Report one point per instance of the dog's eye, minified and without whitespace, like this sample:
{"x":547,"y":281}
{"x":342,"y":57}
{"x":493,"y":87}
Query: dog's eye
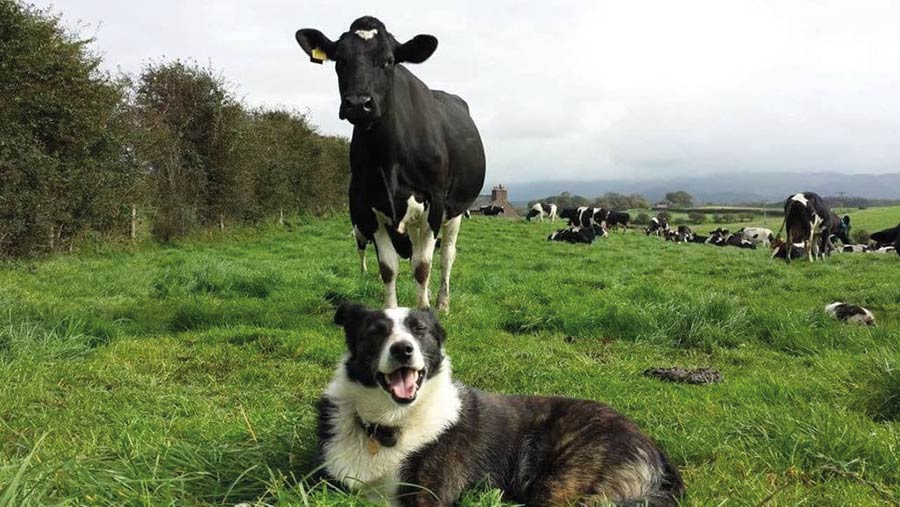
{"x":418,"y":327}
{"x":389,"y":62}
{"x":377,"y":329}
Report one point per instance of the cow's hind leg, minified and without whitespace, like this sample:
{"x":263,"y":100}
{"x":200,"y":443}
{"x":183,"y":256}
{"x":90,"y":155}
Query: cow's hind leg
{"x":423,"y":240}
{"x":449,"y":233}
{"x":388,"y":265}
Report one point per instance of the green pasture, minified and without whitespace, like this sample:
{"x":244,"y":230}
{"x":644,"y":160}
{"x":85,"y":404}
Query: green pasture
{"x":186,"y":375}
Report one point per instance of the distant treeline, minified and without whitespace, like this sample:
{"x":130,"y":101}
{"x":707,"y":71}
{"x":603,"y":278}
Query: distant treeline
{"x":609,"y":200}
{"x":83,"y":153}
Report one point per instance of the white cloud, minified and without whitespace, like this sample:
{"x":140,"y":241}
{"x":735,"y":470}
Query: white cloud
{"x":578,"y":89}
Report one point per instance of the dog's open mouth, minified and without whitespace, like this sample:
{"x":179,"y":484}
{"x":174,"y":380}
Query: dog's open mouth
{"x":402,"y":384}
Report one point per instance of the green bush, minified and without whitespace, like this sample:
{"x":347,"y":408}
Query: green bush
{"x":696,"y":218}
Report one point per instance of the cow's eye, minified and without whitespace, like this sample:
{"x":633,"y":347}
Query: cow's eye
{"x":388,"y":63}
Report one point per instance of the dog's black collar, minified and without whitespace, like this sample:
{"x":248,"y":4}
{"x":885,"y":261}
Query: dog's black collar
{"x":385,"y":435}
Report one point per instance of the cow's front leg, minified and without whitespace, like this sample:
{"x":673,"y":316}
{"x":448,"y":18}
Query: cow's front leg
{"x":423,"y":240}
{"x":361,"y":242}
{"x":449,"y":233}
{"x":812,"y":247}
{"x":388,"y":265}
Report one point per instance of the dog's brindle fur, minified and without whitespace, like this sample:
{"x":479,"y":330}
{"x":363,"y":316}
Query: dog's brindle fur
{"x":541,"y":451}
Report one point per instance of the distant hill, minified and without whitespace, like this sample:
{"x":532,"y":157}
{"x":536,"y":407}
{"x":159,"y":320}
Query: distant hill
{"x":726,"y":189}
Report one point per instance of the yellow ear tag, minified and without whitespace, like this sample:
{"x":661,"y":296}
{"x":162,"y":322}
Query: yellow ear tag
{"x":318,"y":56}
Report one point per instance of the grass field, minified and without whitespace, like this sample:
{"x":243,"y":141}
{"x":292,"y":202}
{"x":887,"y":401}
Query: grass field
{"x":187,"y":375}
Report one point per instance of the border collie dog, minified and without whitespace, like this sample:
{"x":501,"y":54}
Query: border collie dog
{"x":394,"y":426}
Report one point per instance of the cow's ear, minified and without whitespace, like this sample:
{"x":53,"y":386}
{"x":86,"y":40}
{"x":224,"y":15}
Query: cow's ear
{"x":416,"y":50}
{"x":315,"y":44}
{"x":348,"y":314}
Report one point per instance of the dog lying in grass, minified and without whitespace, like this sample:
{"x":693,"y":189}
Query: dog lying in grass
{"x":394,"y":426}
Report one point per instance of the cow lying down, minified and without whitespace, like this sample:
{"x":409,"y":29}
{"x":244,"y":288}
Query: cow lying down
{"x":721,"y":237}
{"x":574,"y":234}
{"x":780,"y":250}
{"x":850,"y":313}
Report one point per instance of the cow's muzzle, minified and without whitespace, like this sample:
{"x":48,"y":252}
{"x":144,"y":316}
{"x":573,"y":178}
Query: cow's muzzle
{"x":357,"y":108}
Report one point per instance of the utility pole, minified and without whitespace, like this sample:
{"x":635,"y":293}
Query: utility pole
{"x":841,"y":194}
{"x":765,"y":220}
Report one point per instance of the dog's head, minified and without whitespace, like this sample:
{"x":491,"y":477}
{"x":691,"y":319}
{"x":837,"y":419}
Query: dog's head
{"x":396,"y":350}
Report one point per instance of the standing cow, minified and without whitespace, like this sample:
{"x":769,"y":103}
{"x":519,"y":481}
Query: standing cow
{"x":618,"y":219}
{"x":491,"y":210}
{"x":416,"y":158}
{"x":807,"y":220}
{"x":541,"y":209}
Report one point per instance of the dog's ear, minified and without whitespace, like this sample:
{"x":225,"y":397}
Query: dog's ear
{"x":437,"y":329}
{"x":348,"y":313}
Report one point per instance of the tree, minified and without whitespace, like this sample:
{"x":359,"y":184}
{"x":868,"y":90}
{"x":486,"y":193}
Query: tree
{"x":64,"y":163}
{"x":192,"y":113}
{"x":680,"y":198}
{"x":696,"y":218}
{"x":616,"y":201}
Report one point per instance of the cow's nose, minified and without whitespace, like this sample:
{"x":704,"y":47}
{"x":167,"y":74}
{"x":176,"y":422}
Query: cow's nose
{"x":402,"y":351}
{"x":355,"y":105}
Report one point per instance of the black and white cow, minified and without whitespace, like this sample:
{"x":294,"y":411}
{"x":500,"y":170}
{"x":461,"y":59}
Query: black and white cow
{"x":840,"y":229}
{"x":758,"y":235}
{"x":540,"y":210}
{"x":416,"y":158}
{"x":886,"y":237}
{"x":617,"y":219}
{"x":586,"y":217}
{"x":808,"y":220}
{"x":854,"y":248}
{"x":491,"y":210}
{"x":721,"y":237}
{"x":781,"y":248}
{"x":737,"y":241}
{"x":574,"y":234}
{"x":658,"y":226}
{"x":684,"y":233}
{"x":854,"y":314}
{"x":697,"y":238}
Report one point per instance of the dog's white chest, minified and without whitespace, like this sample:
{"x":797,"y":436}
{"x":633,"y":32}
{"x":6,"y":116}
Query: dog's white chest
{"x":348,"y":458}
{"x":348,"y":454}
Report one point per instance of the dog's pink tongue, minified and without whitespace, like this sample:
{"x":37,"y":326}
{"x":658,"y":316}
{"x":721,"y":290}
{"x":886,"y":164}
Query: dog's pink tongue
{"x":403,"y":383}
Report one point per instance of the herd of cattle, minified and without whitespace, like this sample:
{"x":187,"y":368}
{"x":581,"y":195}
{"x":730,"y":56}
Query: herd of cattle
{"x":810,"y":227}
{"x":417,"y":163}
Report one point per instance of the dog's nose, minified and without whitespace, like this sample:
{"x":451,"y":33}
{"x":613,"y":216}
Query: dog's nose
{"x":402,"y":351}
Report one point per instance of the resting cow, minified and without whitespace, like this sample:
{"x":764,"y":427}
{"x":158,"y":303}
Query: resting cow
{"x":758,"y":235}
{"x":416,"y":158}
{"x":574,"y":234}
{"x":886,"y":237}
{"x":658,"y":226}
{"x":780,"y":250}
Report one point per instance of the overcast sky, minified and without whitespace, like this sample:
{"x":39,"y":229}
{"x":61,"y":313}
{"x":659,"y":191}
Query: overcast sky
{"x":575,"y":90}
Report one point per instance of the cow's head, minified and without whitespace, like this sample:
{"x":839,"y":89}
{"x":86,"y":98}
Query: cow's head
{"x":365,"y":57}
